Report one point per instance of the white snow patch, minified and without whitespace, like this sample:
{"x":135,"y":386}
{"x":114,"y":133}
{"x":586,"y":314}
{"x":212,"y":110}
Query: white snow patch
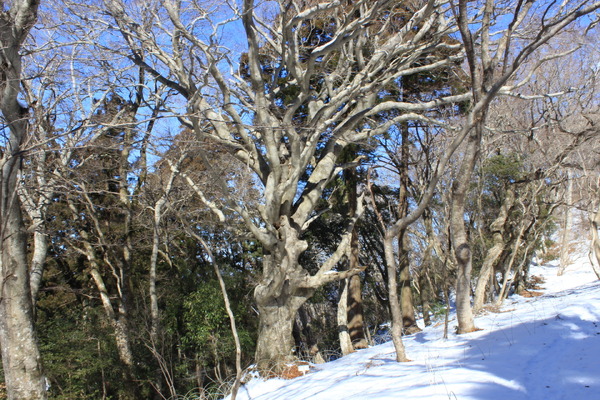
{"x":544,"y":347}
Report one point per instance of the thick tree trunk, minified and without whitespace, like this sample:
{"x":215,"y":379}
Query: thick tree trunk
{"x":497,"y":228}
{"x":20,"y":355}
{"x":275,"y":343}
{"x":460,"y":240}
{"x":278,"y":298}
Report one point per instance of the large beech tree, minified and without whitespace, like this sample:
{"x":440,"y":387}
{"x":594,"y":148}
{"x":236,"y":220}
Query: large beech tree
{"x":292,"y":143}
{"x":300,"y":95}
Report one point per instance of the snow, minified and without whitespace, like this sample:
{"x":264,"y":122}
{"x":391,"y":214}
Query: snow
{"x":545,"y":347}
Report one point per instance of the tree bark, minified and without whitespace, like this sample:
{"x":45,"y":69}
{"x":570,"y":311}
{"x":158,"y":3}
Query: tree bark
{"x":342,"y":320}
{"x":275,"y":341}
{"x":115,"y":319}
{"x":356,"y":327}
{"x":36,"y":206}
{"x":395,"y":310}
{"x":278,"y":297}
{"x":497,"y":228}
{"x":513,"y":256}
{"x":565,"y":257}
{"x":425,"y":293}
{"x":354,"y":319}
{"x":409,"y":323}
{"x":20,"y":354}
{"x":38,"y":260}
{"x":595,"y":243}
{"x":460,"y":240}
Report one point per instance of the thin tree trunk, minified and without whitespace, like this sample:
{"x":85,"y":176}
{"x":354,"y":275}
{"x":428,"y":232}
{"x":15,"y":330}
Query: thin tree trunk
{"x":395,"y":310}
{"x":304,"y":333}
{"x":425,"y":295}
{"x":356,"y":327}
{"x":497,"y":228}
{"x":342,"y":319}
{"x":38,"y":260}
{"x":36,"y":210}
{"x":595,"y":243}
{"x":154,"y":311}
{"x":116,"y":321}
{"x":152,"y":293}
{"x":425,"y":283}
{"x":565,"y":257}
{"x":355,"y":318}
{"x":409,"y":323}
{"x":158,"y":212}
{"x":234,"y":331}
{"x":513,"y":256}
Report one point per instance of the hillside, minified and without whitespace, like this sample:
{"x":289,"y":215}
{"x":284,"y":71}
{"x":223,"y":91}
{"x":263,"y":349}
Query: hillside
{"x":545,"y":347}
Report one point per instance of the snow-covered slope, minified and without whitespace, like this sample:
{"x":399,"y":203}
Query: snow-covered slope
{"x":545,"y":347}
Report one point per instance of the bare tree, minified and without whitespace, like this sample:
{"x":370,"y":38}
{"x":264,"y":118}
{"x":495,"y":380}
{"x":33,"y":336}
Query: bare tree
{"x":492,"y":63}
{"x":283,"y":139}
{"x":20,"y":354}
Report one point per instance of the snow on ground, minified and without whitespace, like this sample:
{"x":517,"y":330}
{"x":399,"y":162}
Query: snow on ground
{"x":545,"y":347}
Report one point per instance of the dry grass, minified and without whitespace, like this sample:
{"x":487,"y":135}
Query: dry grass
{"x":496,"y":309}
{"x":535,"y":282}
{"x":530,"y":293}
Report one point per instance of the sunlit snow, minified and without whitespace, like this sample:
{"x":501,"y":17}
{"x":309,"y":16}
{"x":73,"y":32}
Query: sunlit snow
{"x":545,"y":347}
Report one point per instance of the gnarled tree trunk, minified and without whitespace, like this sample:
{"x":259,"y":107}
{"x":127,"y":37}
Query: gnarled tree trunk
{"x":497,"y":228}
{"x":278,"y":297}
